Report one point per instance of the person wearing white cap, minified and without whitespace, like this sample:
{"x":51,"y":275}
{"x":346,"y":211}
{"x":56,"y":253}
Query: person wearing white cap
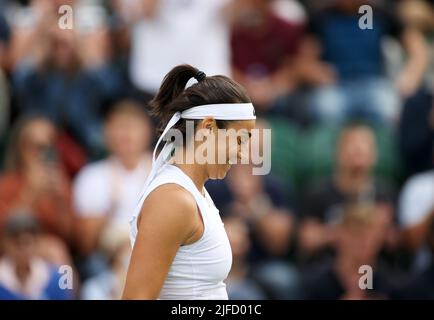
{"x":180,"y":246}
{"x":416,"y":209}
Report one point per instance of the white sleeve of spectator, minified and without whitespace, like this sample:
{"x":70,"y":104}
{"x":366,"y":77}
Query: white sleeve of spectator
{"x":416,"y":201}
{"x":91,"y":192}
{"x":218,"y":4}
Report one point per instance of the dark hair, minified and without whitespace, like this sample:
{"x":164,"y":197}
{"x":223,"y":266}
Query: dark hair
{"x":355,"y":123}
{"x":173,"y":96}
{"x":19,"y":221}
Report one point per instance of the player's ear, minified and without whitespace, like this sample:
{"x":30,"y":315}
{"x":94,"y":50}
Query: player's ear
{"x":208,"y":124}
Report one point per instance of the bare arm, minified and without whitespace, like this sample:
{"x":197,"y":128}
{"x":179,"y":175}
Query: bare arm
{"x":168,"y":219}
{"x":275,"y":229}
{"x":412,"y":74}
{"x":309,"y":67}
{"x":413,"y":237}
{"x":314,"y":236}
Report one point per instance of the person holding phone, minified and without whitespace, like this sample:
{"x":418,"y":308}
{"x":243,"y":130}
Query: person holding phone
{"x":35,"y":180}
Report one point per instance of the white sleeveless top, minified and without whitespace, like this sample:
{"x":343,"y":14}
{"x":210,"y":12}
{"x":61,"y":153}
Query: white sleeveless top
{"x":199,"y":269}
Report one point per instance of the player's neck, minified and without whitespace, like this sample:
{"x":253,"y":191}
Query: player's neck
{"x":196,"y":172}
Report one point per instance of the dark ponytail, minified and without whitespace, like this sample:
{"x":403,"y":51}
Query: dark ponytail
{"x":173,"y":96}
{"x":173,"y":85}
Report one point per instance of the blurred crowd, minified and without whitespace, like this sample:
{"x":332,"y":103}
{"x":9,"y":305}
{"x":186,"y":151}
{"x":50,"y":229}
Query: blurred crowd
{"x":351,"y":110}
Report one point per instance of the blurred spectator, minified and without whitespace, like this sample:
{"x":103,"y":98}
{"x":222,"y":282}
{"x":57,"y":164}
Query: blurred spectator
{"x":422,"y":285}
{"x":105,"y":192}
{"x":273,"y":225}
{"x":240,"y":283}
{"x":65,"y":74}
{"x":290,"y":10}
{"x":35,"y":178}
{"x":359,"y":237}
{"x":271,"y":230}
{"x":416,"y":130}
{"x":352,"y":182}
{"x":4,"y":105}
{"x":4,"y":90}
{"x":223,"y":195}
{"x":419,"y":14}
{"x":416,"y":133}
{"x":264,"y":51}
{"x":4,"y":40}
{"x":415,"y":213}
{"x":109,"y":284}
{"x":350,"y":73}
{"x":30,"y":23}
{"x":24,"y":274}
{"x":171,"y":32}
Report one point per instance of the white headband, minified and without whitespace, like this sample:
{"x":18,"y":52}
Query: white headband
{"x":227,"y":111}
{"x":223,"y":111}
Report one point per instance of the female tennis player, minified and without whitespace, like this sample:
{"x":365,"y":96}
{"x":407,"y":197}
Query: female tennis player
{"x":180,"y":247}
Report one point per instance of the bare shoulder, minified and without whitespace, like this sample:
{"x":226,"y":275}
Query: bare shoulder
{"x":166,"y":222}
{"x":169,"y":207}
{"x":171,"y":196}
